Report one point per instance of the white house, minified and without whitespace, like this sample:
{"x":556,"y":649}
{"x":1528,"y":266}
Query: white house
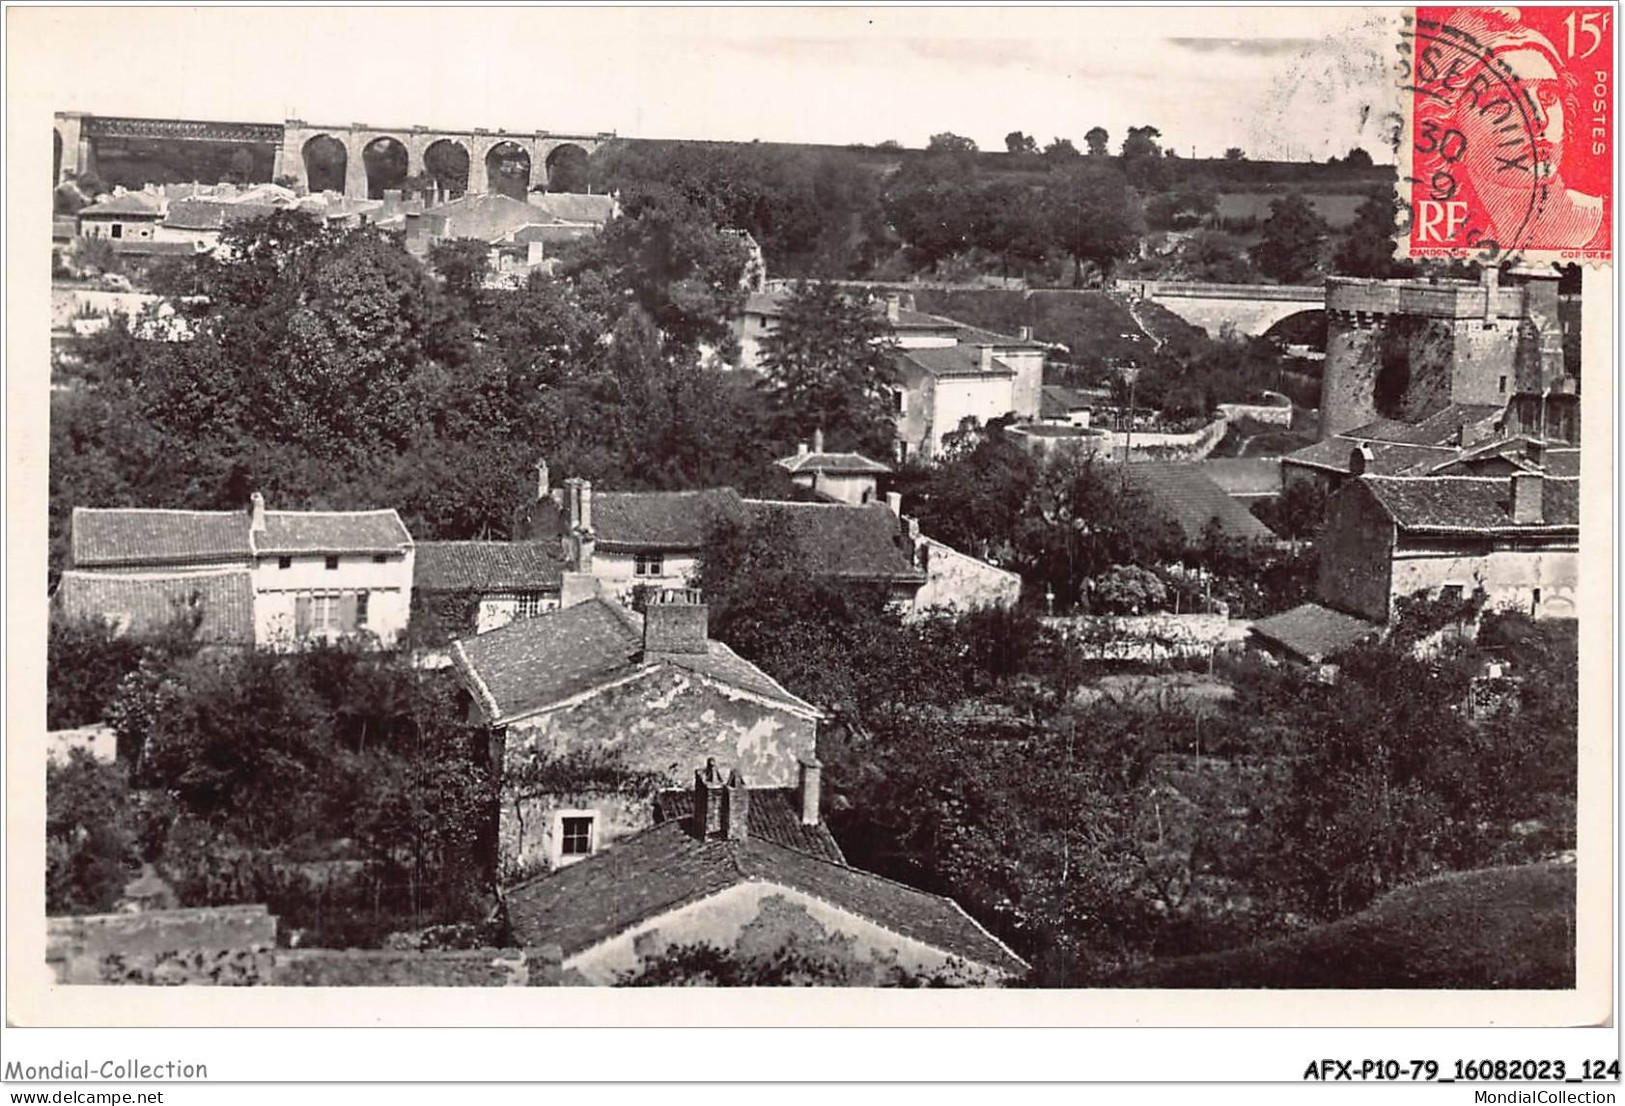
{"x":258,"y":577}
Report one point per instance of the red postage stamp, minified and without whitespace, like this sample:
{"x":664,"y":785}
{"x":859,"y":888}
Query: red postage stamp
{"x":1510,"y":146}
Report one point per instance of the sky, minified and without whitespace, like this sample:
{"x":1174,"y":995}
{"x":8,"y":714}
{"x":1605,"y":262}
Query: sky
{"x":1278,"y":82}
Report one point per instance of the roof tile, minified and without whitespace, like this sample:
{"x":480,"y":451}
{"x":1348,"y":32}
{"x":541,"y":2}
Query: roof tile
{"x":660,"y":869}
{"x":1191,"y":498}
{"x":487,"y":566}
{"x":150,"y":602}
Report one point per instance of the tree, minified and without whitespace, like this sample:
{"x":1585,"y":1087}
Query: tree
{"x":1358,"y":159}
{"x":1367,"y":248}
{"x":1094,"y":216}
{"x":1096,"y":141}
{"x":1061,"y":149}
{"x":462,"y":265}
{"x":681,"y":269}
{"x":934,"y":208}
{"x":90,"y":837}
{"x":1293,"y":235}
{"x":1235,"y":153}
{"x":828,"y":364}
{"x":1141,"y":143}
{"x":1018,"y":143}
{"x":950,"y":143}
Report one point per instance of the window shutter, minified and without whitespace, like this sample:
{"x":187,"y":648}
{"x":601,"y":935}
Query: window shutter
{"x":347,"y":612}
{"x":301,"y":616}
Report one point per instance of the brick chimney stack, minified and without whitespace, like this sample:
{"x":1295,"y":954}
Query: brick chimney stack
{"x":735,"y":808}
{"x":812,"y":786}
{"x":818,"y":440}
{"x":675,"y":622}
{"x":256,"y":523}
{"x":1528,"y":499}
{"x":987,"y":359}
{"x":894,"y":308}
{"x":708,"y":792}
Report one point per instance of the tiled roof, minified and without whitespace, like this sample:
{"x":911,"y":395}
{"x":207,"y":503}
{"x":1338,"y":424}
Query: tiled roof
{"x":333,"y":532}
{"x":150,"y":602}
{"x":627,"y":522}
{"x":1556,"y":460}
{"x":552,"y":233}
{"x":111,"y":536}
{"x":843,"y":463}
{"x":1058,"y":400}
{"x":534,"y":663}
{"x":775,"y":815}
{"x":1386,"y":458}
{"x":130,"y":203}
{"x":958,"y":360}
{"x":1475,"y":504}
{"x":1439,"y":428}
{"x":131,"y":536}
{"x":1314,"y":632}
{"x":975,"y":335}
{"x":771,"y":304}
{"x":211,"y":214}
{"x":152,"y":247}
{"x":1188,"y":496}
{"x":654,"y":872}
{"x":1244,"y":476}
{"x":575,"y":207}
{"x":837,"y":539}
{"x":64,"y":226}
{"x":487,"y":566}
{"x":491,"y":217}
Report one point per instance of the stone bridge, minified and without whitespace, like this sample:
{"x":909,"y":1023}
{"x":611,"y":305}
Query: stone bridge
{"x":294,"y":142}
{"x":1252,"y":308}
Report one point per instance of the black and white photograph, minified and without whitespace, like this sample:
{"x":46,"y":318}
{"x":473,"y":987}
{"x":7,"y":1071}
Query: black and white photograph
{"x":876,"y":499}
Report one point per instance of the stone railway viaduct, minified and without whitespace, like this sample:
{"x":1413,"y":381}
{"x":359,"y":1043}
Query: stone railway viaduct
{"x":1253,"y":309}
{"x":294,"y":142}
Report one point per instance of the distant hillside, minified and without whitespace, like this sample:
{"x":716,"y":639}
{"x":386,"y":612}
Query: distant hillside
{"x":1501,"y":928}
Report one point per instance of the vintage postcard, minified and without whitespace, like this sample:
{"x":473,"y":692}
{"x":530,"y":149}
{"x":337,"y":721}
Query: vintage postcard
{"x":1097,"y":513}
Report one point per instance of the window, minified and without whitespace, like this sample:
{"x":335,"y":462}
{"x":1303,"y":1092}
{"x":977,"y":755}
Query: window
{"x":1534,"y":604}
{"x":324,"y":612}
{"x":649,"y":564}
{"x":332,"y":563}
{"x":530,"y":605}
{"x":284,"y":562}
{"x":1503,"y":385}
{"x":380,"y":558}
{"x":360,"y":608}
{"x":575,"y":836}
{"x":1451,"y":593}
{"x":118,"y":230}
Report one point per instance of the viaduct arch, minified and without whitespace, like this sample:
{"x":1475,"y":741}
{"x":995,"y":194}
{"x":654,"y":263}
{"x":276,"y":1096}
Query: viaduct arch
{"x":477,"y":145}
{"x":76,"y":133}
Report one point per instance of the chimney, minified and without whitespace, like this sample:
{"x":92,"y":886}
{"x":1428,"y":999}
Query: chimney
{"x":1528,"y":507}
{"x":541,"y":480}
{"x":707,"y":818}
{"x":576,"y":588}
{"x":675,"y":622}
{"x":987,"y":359}
{"x":894,"y":501}
{"x":256,"y":512}
{"x":812,"y":786}
{"x":735,"y":808}
{"x":1025,"y":333}
{"x":1359,"y":458}
{"x":894,"y":308}
{"x":1535,"y":452}
{"x":818,"y":440}
{"x":801,"y":449}
{"x":586,"y":505}
{"x":1490,"y":278}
